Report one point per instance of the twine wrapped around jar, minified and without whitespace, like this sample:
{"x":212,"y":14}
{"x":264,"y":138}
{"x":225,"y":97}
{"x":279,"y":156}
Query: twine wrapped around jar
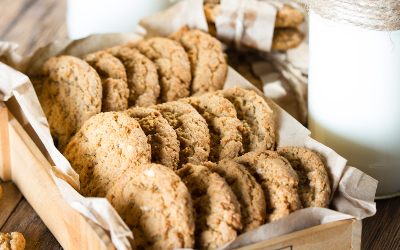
{"x":354,"y":84}
{"x":369,"y":14}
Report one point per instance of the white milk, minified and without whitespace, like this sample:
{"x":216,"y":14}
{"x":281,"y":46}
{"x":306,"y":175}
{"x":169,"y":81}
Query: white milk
{"x":354,"y":97}
{"x":104,"y":16}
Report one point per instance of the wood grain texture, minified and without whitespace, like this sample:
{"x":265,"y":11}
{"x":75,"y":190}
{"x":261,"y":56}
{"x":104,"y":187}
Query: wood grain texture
{"x":34,"y":23}
{"x":8,"y":202}
{"x":25,"y":220}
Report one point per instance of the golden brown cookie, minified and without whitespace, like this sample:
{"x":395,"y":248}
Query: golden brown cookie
{"x":12,"y":241}
{"x":70,"y":94}
{"x":246,"y":189}
{"x":314,"y":186}
{"x":286,"y":38}
{"x":220,"y":115}
{"x":104,"y":148}
{"x":278,"y":180}
{"x":207,"y":59}
{"x":191,"y":129}
{"x":113,"y":78}
{"x":287,"y":16}
{"x":156,"y":206}
{"x":144,"y":88}
{"x":161,"y":136}
{"x":257,"y":118}
{"x":172,"y":63}
{"x":217,"y":209}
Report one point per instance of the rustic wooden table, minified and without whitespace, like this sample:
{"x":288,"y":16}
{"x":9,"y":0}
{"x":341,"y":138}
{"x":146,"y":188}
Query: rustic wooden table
{"x":33,"y":23}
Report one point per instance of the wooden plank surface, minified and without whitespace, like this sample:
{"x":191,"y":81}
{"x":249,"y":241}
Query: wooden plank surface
{"x":32,"y":24}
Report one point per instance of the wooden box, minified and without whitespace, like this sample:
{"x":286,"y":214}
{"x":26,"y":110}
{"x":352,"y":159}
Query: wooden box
{"x":22,"y":162}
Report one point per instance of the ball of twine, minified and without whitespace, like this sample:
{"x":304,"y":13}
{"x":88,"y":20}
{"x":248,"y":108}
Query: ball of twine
{"x":370,"y":14}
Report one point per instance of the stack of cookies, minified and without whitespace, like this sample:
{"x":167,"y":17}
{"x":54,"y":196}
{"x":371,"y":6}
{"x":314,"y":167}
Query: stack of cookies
{"x":287,"y":34}
{"x":143,"y":73}
{"x":196,"y":172}
{"x":184,"y":163}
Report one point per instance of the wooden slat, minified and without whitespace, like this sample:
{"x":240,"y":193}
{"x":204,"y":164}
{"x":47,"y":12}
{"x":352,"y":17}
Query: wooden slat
{"x":25,"y":220}
{"x":10,"y":199}
{"x":5,"y":164}
{"x":31,"y":175}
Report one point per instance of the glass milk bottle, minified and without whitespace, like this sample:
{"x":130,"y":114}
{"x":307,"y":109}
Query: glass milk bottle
{"x":354,"y":96}
{"x":107,"y":16}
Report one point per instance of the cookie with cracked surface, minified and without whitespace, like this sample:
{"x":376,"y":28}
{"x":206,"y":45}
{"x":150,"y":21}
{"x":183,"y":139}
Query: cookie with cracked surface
{"x":161,"y":136}
{"x":246,"y":189}
{"x":257,"y":118}
{"x":191,"y":129}
{"x":156,"y":205}
{"x":113,"y":78}
{"x":224,"y":126}
{"x":12,"y":241}
{"x":70,"y":94}
{"x":207,"y":59}
{"x":217,"y":209}
{"x":278,"y":180}
{"x":314,"y":186}
{"x":143,"y":84}
{"x":172,"y":63}
{"x":104,"y":148}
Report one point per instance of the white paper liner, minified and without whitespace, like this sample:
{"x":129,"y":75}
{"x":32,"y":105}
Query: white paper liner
{"x":353,"y":191}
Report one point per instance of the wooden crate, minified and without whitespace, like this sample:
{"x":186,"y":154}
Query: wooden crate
{"x":23,"y":163}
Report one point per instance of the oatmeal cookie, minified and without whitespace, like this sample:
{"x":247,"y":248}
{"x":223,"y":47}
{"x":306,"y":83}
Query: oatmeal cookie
{"x":224,"y":126}
{"x":278,"y":180}
{"x":161,"y":136}
{"x":104,"y":148}
{"x":207,"y":59}
{"x":70,"y":94}
{"x":286,"y":38}
{"x":172,"y":63}
{"x":288,"y":16}
{"x":156,"y":205}
{"x":217,"y":209}
{"x":257,"y":118}
{"x":12,"y":241}
{"x":144,"y":88}
{"x":113,"y":78}
{"x":191,"y":129}
{"x":314,"y":187}
{"x":246,"y":189}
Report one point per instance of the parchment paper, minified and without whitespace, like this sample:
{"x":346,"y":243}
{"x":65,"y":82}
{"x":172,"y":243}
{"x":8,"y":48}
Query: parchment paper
{"x":353,"y":191}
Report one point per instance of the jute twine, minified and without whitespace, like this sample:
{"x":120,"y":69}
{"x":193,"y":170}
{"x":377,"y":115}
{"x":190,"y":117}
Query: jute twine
{"x":370,"y":14}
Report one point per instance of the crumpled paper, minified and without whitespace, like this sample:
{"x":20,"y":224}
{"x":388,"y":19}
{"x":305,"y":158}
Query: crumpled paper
{"x":353,"y":191}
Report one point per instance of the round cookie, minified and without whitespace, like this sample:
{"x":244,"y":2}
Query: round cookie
{"x":12,"y":241}
{"x":113,"y":78}
{"x":69,"y":95}
{"x":220,"y":115}
{"x":314,"y":187}
{"x":207,"y":59}
{"x":172,"y":63}
{"x":144,"y":88}
{"x":278,"y":180}
{"x":161,"y":136}
{"x":286,"y":38}
{"x":217,"y":209}
{"x":246,"y":189}
{"x":191,"y":129}
{"x":156,"y":206}
{"x":257,"y":117}
{"x":104,"y":148}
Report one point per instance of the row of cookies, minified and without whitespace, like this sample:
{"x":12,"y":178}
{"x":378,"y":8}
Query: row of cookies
{"x":202,"y":204}
{"x":140,"y":73}
{"x":286,"y":35}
